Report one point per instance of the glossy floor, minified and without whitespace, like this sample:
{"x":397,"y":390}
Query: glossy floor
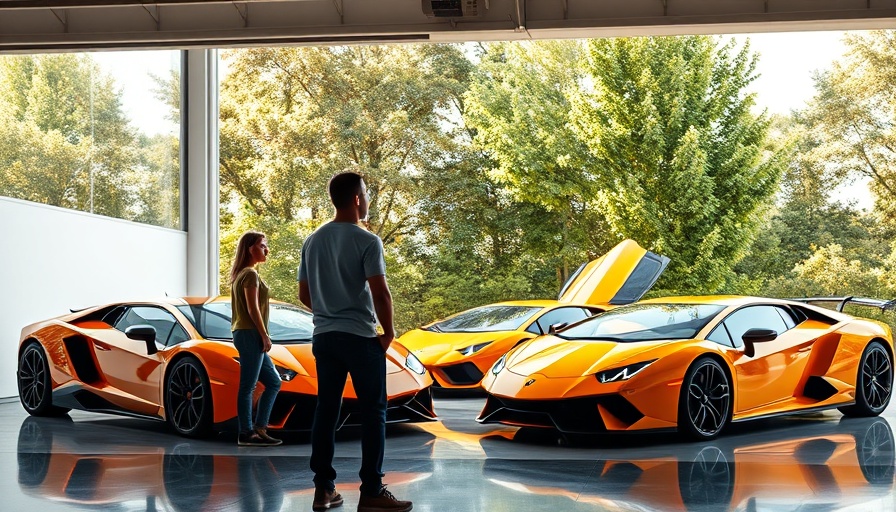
{"x":98,"y":462}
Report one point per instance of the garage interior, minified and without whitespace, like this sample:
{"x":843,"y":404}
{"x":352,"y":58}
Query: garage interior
{"x":819,"y":461}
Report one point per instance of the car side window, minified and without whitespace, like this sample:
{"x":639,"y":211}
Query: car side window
{"x":742,"y":320}
{"x":787,"y":316}
{"x":720,"y":336}
{"x":534,"y":328}
{"x":168,"y":331}
{"x":560,"y":315}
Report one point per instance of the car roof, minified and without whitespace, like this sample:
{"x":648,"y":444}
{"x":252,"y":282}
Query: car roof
{"x":535,"y":303}
{"x":721,"y":300}
{"x":196,"y":300}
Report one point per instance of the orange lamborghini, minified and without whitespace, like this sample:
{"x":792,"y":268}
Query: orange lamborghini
{"x":458,"y":350}
{"x":693,"y":364}
{"x":174,"y":360}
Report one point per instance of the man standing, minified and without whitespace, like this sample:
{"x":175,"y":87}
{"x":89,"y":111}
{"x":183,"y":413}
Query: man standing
{"x":342,"y":279}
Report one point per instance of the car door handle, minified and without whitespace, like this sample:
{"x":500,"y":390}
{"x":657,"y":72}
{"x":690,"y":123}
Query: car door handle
{"x":99,"y":346}
{"x":805,"y":349}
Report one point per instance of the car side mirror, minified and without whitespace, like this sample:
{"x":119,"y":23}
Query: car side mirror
{"x":757,"y":335}
{"x":144,"y":333}
{"x":556,"y":327}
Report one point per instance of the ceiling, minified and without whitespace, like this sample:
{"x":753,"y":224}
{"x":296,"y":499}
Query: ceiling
{"x":59,"y":25}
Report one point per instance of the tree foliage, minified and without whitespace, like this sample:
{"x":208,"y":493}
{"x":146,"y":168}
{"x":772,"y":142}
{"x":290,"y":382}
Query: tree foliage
{"x":683,"y":163}
{"x":293,"y":117}
{"x":519,"y":110}
{"x":66,"y":141}
{"x":855,"y":112}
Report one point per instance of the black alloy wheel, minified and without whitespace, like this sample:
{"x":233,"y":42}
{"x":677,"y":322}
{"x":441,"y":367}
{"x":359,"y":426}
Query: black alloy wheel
{"x":705,"y":403}
{"x":35,"y":388}
{"x":188,"y":398}
{"x":874,"y":382}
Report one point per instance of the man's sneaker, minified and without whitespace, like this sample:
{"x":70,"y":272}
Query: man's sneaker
{"x":263,"y":433}
{"x":385,"y":502}
{"x":253,"y":439}
{"x":324,"y":499}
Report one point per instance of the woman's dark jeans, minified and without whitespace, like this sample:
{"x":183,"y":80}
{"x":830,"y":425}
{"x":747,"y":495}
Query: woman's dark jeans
{"x":338,"y":355}
{"x":255,"y":366}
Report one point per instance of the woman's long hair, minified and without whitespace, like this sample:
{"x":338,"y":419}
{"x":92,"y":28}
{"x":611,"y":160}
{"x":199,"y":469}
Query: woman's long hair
{"x":242,"y":258}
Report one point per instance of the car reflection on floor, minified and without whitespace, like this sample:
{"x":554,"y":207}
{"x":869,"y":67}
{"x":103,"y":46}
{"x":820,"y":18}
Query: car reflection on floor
{"x":458,"y":465}
{"x":173,"y":477}
{"x":825,"y":469}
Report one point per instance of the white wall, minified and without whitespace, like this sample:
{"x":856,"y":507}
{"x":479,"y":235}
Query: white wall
{"x":53,"y":259}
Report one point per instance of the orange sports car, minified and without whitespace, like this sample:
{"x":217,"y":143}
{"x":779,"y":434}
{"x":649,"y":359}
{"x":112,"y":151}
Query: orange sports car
{"x":174,"y":360}
{"x":693,"y":364}
{"x":458,"y":350}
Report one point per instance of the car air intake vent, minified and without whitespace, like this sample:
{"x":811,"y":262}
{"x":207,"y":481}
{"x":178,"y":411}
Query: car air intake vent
{"x":817,"y":388}
{"x":82,"y":360}
{"x":463,"y":374}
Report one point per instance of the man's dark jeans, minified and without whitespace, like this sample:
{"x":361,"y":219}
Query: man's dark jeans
{"x":337,"y":355}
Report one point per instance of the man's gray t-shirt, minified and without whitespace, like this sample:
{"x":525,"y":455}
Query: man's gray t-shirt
{"x":336,"y":261}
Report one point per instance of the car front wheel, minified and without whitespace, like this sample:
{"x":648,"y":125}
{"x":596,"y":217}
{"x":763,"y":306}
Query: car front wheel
{"x":188,"y":398}
{"x":704,"y":405}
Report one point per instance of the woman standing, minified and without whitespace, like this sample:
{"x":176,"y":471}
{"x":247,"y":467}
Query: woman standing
{"x":249,"y":299}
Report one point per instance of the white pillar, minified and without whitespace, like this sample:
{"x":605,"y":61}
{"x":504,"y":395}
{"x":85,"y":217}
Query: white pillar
{"x":201,"y":176}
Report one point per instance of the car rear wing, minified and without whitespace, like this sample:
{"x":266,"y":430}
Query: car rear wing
{"x":883,"y":305}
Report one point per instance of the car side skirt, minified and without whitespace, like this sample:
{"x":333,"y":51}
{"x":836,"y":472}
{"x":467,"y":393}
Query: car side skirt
{"x":82,"y":399}
{"x":792,"y":412}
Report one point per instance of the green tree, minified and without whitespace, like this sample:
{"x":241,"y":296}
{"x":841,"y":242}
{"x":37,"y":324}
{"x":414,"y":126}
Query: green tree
{"x":518,"y":110}
{"x":685,"y":168}
{"x":855,"y":112}
{"x":807,"y":216}
{"x":292,"y":117}
{"x":67,"y":142}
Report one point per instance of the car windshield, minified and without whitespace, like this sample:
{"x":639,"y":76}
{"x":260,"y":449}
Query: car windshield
{"x":486,"y":319}
{"x":286,"y":324}
{"x":644,"y":322}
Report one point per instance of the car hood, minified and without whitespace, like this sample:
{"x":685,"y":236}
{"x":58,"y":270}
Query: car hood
{"x":557,"y":358}
{"x":430,"y":346}
{"x":621,"y":276}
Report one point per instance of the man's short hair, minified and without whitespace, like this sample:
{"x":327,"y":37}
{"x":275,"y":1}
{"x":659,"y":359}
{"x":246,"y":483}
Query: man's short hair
{"x":343,"y":188}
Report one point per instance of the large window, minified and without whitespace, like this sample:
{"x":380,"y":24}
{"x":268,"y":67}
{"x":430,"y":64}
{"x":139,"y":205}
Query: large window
{"x":96,"y":132}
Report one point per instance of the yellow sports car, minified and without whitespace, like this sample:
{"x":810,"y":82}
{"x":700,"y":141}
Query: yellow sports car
{"x":693,"y":364}
{"x":458,"y":350}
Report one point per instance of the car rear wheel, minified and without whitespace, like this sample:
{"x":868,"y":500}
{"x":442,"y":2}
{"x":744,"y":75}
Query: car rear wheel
{"x":704,"y":405}
{"x":35,"y":387}
{"x":874,"y":383}
{"x":188,"y":398}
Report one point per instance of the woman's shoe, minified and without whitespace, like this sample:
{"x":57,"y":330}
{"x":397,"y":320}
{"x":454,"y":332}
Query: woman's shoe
{"x":253,"y":439}
{"x":263,"y":433}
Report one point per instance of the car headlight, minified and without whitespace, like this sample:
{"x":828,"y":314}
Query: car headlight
{"x":285,"y":373}
{"x":472,"y":349}
{"x":414,"y":364}
{"x":499,"y":365}
{"x":623,"y":373}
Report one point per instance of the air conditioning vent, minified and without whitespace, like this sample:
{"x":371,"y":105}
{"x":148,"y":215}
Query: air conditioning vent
{"x":451,"y":8}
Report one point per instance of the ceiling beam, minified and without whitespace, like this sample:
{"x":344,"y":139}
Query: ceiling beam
{"x":62,"y":25}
